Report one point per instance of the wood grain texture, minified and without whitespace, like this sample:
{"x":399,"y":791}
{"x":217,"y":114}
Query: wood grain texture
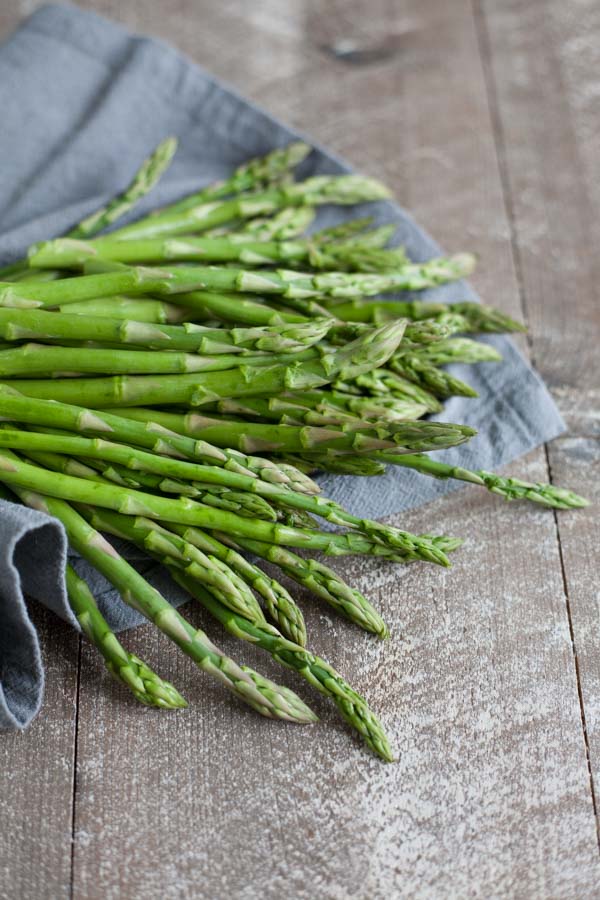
{"x":576,"y":461}
{"x":36,"y":778}
{"x":491,"y":796}
{"x":478,"y":690}
{"x":549,"y":163}
{"x":543,"y":61}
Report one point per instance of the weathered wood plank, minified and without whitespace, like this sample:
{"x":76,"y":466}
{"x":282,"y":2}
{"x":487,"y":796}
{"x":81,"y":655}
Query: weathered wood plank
{"x":576,"y":461}
{"x":543,"y":80}
{"x":36,"y":779}
{"x":544,"y":73}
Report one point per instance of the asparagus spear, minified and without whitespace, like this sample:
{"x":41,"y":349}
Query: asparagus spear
{"x":173,"y":280}
{"x":320,"y":580}
{"x":315,"y":670}
{"x":381,"y":383}
{"x":157,"y":312}
{"x":235,"y":309}
{"x":67,"y":253}
{"x":31,"y":359}
{"x":457,"y":350}
{"x":73,"y":353}
{"x":221,"y":581}
{"x":280,"y":607}
{"x":376,"y":538}
{"x":338,"y":189}
{"x":367,"y":352}
{"x":478,"y":318}
{"x":145,"y":179}
{"x":320,"y":407}
{"x":51,"y":414}
{"x":179,"y":546}
{"x":145,"y":685}
{"x":186,"y":511}
{"x":509,"y":488}
{"x":249,"y":176}
{"x":264,"y":696}
{"x":241,"y":502}
{"x":253,"y":437}
{"x":414,"y":367}
{"x":143,"y":182}
{"x":353,"y":233}
{"x":218,"y":578}
{"x":364,"y":466}
{"x":289,"y":223}
{"x":29,"y":324}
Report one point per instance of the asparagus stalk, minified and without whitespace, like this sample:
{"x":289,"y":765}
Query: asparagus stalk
{"x":221,"y":581}
{"x":249,"y":176}
{"x":315,"y":670}
{"x":422,"y":372}
{"x":67,"y":253}
{"x":353,"y":233}
{"x":235,"y":309}
{"x":22,"y":324}
{"x":253,"y":437}
{"x":252,"y":506}
{"x":186,"y":511}
{"x":320,"y":580}
{"x":51,"y":414}
{"x":364,"y":466}
{"x":383,"y":384}
{"x":215,"y":574}
{"x":478,"y":318}
{"x":144,"y":180}
{"x":337,"y":189}
{"x":241,"y":502}
{"x":295,"y":518}
{"x":320,"y":407}
{"x":121,"y":307}
{"x":264,"y":696}
{"x":256,"y":173}
{"x":173,"y":280}
{"x":145,"y":685}
{"x":375,"y":539}
{"x":289,"y":223}
{"x":173,"y":548}
{"x":31,"y":359}
{"x":456,"y":350}
{"x":510,"y":488}
{"x":370,"y":350}
{"x":280,"y":607}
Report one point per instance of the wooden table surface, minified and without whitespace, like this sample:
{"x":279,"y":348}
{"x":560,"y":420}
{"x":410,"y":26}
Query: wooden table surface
{"x":484,"y":118}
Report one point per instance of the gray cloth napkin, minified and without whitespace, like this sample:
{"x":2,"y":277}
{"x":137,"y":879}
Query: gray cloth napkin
{"x":83,"y":102}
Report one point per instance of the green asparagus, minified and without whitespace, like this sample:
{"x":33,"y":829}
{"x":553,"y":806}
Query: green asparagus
{"x":186,"y":511}
{"x":315,"y":670}
{"x":264,"y":696}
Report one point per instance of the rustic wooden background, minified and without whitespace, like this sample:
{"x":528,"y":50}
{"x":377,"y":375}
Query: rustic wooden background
{"x":484,"y":118}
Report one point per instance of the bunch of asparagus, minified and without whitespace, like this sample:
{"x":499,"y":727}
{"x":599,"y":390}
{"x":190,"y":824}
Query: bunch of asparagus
{"x":176,"y":382}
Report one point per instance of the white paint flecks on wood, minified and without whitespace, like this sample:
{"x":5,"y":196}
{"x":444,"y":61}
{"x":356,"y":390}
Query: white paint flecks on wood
{"x":543,"y":64}
{"x":36,"y":778}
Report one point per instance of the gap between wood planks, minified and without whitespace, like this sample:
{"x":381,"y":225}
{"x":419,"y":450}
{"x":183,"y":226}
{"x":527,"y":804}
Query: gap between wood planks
{"x":485,"y":54}
{"x":74,"y":782}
